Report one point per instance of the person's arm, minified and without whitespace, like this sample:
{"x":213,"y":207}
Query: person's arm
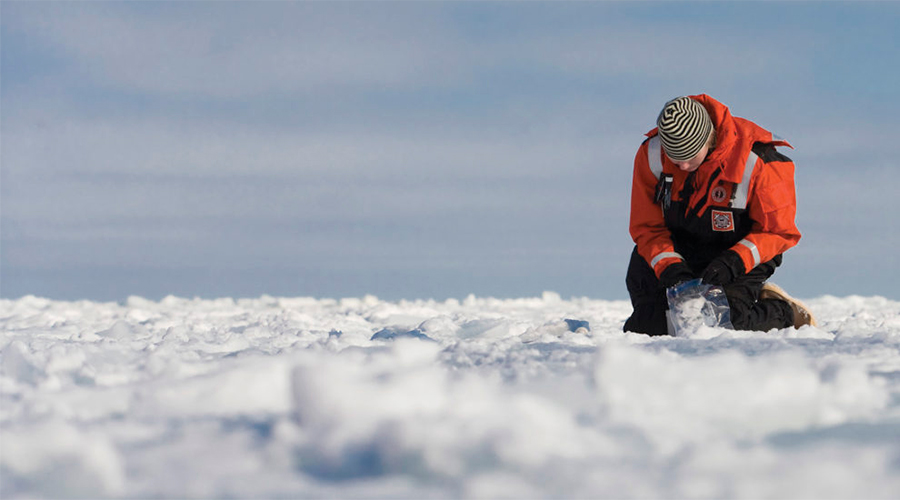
{"x":647,"y":225}
{"x":772,"y":205}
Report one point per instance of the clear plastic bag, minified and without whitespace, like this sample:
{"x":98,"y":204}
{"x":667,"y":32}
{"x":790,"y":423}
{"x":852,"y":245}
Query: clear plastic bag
{"x":694,"y":304}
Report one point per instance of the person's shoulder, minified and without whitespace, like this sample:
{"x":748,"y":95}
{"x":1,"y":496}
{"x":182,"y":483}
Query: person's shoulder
{"x":649,"y":135}
{"x":763,"y":142}
{"x":767,"y":152}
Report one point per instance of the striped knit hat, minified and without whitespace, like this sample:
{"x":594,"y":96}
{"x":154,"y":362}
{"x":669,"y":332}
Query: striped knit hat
{"x":684,"y":126}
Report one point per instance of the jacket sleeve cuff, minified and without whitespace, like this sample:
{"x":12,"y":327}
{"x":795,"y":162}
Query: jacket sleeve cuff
{"x":748,"y":253}
{"x":662,"y":260}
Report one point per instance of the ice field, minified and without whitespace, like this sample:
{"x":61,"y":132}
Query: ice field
{"x":475,"y":398}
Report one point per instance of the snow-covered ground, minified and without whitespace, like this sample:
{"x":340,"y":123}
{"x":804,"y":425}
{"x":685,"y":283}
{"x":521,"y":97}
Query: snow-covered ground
{"x":358,"y":398}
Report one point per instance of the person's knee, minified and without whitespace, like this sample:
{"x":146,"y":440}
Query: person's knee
{"x":762,"y":315}
{"x":741,"y":319}
{"x":649,"y":319}
{"x":740,"y":304}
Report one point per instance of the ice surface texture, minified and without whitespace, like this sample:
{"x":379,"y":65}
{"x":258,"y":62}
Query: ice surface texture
{"x":362,"y":398}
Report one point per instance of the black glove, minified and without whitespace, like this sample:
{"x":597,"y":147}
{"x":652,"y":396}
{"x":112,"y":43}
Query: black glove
{"x":724,"y":269}
{"x":676,"y":273}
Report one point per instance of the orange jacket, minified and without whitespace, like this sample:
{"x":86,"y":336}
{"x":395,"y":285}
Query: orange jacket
{"x":741,"y":198}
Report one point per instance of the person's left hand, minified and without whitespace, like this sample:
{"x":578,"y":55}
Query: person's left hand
{"x":724,"y":269}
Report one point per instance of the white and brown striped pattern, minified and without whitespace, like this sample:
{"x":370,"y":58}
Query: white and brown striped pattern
{"x":684,"y":127}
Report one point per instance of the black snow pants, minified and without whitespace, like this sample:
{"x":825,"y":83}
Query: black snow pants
{"x":648,"y":298}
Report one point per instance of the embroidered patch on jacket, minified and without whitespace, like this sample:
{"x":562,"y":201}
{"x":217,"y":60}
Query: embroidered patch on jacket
{"x":719,"y":194}
{"x":722,"y":221}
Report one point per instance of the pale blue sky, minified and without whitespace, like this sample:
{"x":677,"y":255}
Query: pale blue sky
{"x":415,"y":150}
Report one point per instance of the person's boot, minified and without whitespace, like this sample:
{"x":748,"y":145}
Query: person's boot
{"x":802,"y":314}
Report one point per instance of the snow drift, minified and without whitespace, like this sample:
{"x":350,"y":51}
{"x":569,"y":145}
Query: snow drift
{"x":535,"y":397}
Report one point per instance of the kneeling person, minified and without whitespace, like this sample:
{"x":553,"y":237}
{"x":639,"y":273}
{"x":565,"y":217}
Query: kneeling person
{"x":712,"y":198}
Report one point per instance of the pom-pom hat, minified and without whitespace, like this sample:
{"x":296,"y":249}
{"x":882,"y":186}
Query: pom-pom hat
{"x":684,"y":127}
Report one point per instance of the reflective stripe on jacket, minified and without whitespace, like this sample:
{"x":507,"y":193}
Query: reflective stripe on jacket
{"x":741,"y":198}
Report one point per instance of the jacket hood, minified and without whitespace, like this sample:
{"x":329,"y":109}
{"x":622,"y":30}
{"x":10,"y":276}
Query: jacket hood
{"x":734,"y":137}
